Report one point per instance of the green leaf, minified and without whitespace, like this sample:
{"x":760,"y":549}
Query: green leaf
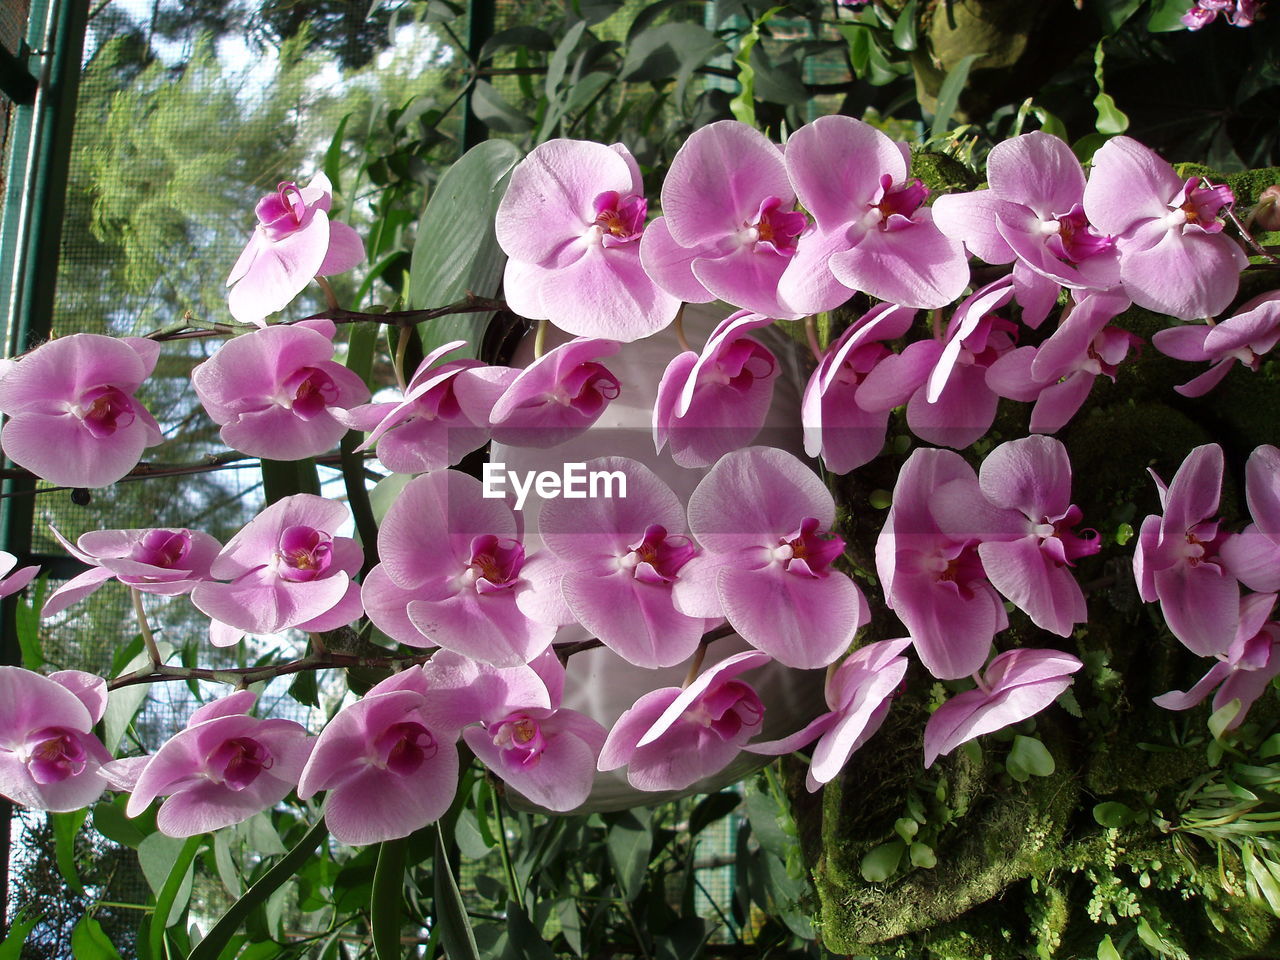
{"x":385,"y":906}
{"x":228,"y":872}
{"x":922,"y":855}
{"x":471,"y":841}
{"x":1107,"y":950}
{"x":26,"y":616}
{"x":19,"y":928}
{"x":743,"y":106}
{"x":629,"y":842}
{"x":304,"y":688}
{"x":285,"y":478}
{"x":1222,"y":717}
{"x":1049,"y":123}
{"x":949,"y":94}
{"x":1112,"y":813}
{"x":333,"y":155}
{"x":518,"y":38}
{"x":211,"y":947}
{"x":710,"y":809}
{"x":109,"y":820}
{"x":669,"y":50}
{"x":904,"y":29}
{"x":1111,"y":119}
{"x":89,"y":942}
{"x":882,"y":863}
{"x":456,"y":252}
{"x":524,"y":942}
{"x":906,"y":828}
{"x":123,"y":704}
{"x":1154,"y":941}
{"x":1166,"y":15}
{"x":570,"y":923}
{"x":494,"y":112}
{"x":1112,"y":14}
{"x":66,"y":826}
{"x":559,"y":62}
{"x":450,"y":912}
{"x":175,"y":893}
{"x":1032,"y":755}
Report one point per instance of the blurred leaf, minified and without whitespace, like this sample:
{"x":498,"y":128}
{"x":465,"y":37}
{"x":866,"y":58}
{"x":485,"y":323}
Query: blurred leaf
{"x":284,"y":478}
{"x":123,"y":704}
{"x":1112,"y":14}
{"x":629,"y":841}
{"x":385,"y":906}
{"x":922,"y":855}
{"x":906,"y":828}
{"x":559,"y":61}
{"x":1222,"y":717}
{"x":304,"y":689}
{"x":669,"y":50}
{"x":524,"y":942}
{"x":261,"y":836}
{"x":467,"y":833}
{"x":762,"y":810}
{"x":904,"y":29}
{"x":777,"y":83}
{"x":648,"y":15}
{"x":1112,"y":813}
{"x":175,"y":893}
{"x":1107,"y":950}
{"x":522,"y":37}
{"x":490,"y":106}
{"x":570,"y":923}
{"x":89,"y":942}
{"x":333,"y":155}
{"x":109,"y":820}
{"x":712,"y":808}
{"x":211,"y":947}
{"x":684,"y":939}
{"x":1167,"y":15}
{"x":949,"y":94}
{"x":440,"y":11}
{"x":882,"y":863}
{"x":19,"y":928}
{"x":450,"y":912}
{"x":26,"y":615}
{"x":456,"y":252}
{"x":743,"y":106}
{"x":1111,"y":119}
{"x":228,"y":873}
{"x":1033,"y":756}
{"x":66,"y":826}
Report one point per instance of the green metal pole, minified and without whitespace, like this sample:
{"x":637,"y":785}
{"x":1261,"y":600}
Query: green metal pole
{"x":481,"y":18}
{"x":30,"y":242}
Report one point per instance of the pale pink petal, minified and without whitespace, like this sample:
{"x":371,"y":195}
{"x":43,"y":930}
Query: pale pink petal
{"x":636,"y":620}
{"x":1128,"y":183}
{"x":1032,"y":581}
{"x":971,"y":219}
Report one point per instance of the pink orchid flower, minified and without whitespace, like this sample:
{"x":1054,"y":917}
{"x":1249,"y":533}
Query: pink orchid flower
{"x":293,"y":242}
{"x":11,"y":583}
{"x":286,"y":569}
{"x":571,"y":224}
{"x":274,"y":391}
{"x":516,"y":727}
{"x":612,"y":564}
{"x":1244,"y":337}
{"x":557,"y":397}
{"x":452,"y":573}
{"x":221,"y":769}
{"x":1033,"y":214}
{"x":152,"y":559}
{"x":858,"y":694}
{"x":1253,"y":554}
{"x":1059,"y":374}
{"x":49,"y":757}
{"x":1177,"y":558}
{"x":836,"y":426}
{"x":1174,"y":257}
{"x":942,"y":380}
{"x":729,"y":228}
{"x":443,"y":416}
{"x":1016,"y":684}
{"x":74,"y":420}
{"x":388,"y":771}
{"x":872,"y":231}
{"x":716,"y":401}
{"x":932,"y":579}
{"x":1245,"y":671}
{"x":1019,"y":509}
{"x":764,"y":520}
{"x":672,"y":738}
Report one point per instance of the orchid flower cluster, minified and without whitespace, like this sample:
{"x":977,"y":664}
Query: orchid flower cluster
{"x":779,"y":233}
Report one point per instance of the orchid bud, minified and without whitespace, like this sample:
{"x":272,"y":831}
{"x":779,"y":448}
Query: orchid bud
{"x":1266,"y":215}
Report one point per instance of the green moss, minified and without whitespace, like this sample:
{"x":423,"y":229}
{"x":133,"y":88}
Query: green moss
{"x":941,"y":173}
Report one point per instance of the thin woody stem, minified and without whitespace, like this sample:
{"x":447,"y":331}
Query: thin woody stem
{"x":540,"y":339}
{"x":330,"y":298}
{"x":145,"y":628}
{"x":678,"y":326}
{"x":811,"y":334}
{"x":402,"y":345}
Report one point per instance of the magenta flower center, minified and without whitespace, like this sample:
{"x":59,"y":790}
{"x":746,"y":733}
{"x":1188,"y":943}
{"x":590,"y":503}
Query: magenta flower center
{"x":739,"y":365}
{"x":657,"y":557}
{"x":304,"y":554}
{"x":520,"y":738}
{"x":403,"y":747}
{"x":588,"y":388}
{"x":1200,"y":206}
{"x":620,"y":219}
{"x":54,"y":755}
{"x":495,"y":563}
{"x":808,"y":551}
{"x":957,"y":565}
{"x":1059,"y":539}
{"x":727,"y":710}
{"x":162,"y":548}
{"x":237,"y":762}
{"x":104,"y":410}
{"x":775,"y":230}
{"x":282,"y":212}
{"x":1075,"y":240}
{"x":310,"y":391}
{"x":1202,"y":544}
{"x":897,"y":204}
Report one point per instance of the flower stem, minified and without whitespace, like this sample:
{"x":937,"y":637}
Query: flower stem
{"x":678,"y":326}
{"x":145,"y":628}
{"x":317,"y":642}
{"x":402,"y":345}
{"x":695,"y":665}
{"x":811,"y":333}
{"x":540,"y":339}
{"x":505,"y":851}
{"x":330,"y":298}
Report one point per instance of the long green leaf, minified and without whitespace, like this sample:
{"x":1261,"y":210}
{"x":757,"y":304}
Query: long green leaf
{"x":90,"y":942}
{"x":743,"y":106}
{"x":456,"y":938}
{"x":949,"y":94}
{"x":388,"y":899}
{"x":284,"y":478}
{"x":162,"y":918}
{"x":22,"y":925}
{"x":26,"y":617}
{"x":457,"y":251}
{"x":216,"y":940}
{"x":66,"y":826}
